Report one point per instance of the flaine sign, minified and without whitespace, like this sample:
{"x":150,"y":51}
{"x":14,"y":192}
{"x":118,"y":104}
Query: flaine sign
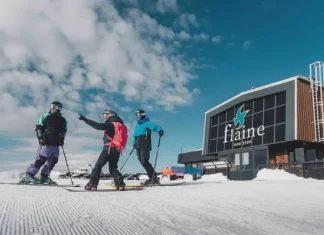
{"x":241,"y":134}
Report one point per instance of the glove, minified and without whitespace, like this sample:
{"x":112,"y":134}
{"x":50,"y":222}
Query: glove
{"x":62,"y":142}
{"x":41,"y":141}
{"x":161,"y":132}
{"x":82,"y":118}
{"x":134,"y":146}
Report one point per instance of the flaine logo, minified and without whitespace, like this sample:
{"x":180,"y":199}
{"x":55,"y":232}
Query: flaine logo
{"x":241,"y":133}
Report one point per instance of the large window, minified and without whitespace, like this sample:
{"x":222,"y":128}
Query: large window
{"x":264,"y":123}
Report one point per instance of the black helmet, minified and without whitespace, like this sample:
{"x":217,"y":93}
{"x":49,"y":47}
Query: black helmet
{"x":110,"y":112}
{"x":140,"y":113}
{"x":56,"y":105}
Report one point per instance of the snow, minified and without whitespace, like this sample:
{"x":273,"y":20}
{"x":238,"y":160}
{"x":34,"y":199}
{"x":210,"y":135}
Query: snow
{"x":274,"y":203}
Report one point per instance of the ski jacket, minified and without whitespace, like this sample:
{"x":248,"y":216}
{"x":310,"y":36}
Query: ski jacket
{"x":142,"y":133}
{"x":105,"y":126}
{"x":52,"y":127}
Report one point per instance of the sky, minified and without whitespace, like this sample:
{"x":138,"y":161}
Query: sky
{"x":174,"y":59}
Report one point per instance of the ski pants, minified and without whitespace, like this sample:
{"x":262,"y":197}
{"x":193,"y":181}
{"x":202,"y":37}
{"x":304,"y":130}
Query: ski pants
{"x":45,"y":154}
{"x":112,"y":158}
{"x":143,"y":155}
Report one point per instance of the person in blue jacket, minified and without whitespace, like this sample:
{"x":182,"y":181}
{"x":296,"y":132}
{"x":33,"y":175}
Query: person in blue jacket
{"x":143,"y":144}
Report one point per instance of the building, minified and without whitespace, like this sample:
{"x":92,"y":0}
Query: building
{"x":276,"y":125}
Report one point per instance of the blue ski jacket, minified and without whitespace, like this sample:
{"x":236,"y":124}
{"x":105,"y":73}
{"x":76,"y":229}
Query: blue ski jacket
{"x":141,"y":130}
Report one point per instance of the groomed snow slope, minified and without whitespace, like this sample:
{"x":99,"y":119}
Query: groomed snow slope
{"x":211,"y":206}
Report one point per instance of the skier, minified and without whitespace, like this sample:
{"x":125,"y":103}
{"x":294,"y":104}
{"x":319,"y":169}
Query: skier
{"x":142,"y":143}
{"x":50,"y":131}
{"x":114,"y":139}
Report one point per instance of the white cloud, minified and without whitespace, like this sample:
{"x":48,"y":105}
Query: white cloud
{"x":187,"y":20}
{"x":183,"y":35}
{"x":164,"y":6}
{"x":84,"y":54}
{"x":201,"y":37}
{"x":217,"y":39}
{"x":247,"y":44}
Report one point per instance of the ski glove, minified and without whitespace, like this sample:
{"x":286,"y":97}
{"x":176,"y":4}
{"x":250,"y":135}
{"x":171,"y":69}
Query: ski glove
{"x":41,"y":141}
{"x":62,"y":142}
{"x":82,"y":118}
{"x":161,"y":132}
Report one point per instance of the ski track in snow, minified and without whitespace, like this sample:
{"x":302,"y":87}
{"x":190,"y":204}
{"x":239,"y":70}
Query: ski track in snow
{"x":251,"y":207}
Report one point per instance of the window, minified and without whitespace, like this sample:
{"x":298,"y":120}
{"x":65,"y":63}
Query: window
{"x":231,"y":160}
{"x":260,"y":157}
{"x":311,"y":154}
{"x":237,"y":159}
{"x":230,"y":114}
{"x":269,"y":117}
{"x":221,"y":129}
{"x":214,"y":120}
{"x":257,"y":119}
{"x":222,"y":117}
{"x":257,"y":140}
{"x":281,"y":114}
{"x":228,"y":145}
{"x":248,"y":122}
{"x":247,"y":160}
{"x":299,"y":153}
{"x":212,"y":148}
{"x":258,"y":105}
{"x":214,"y":132}
{"x":220,"y":145}
{"x":291,"y":157}
{"x":248,"y":106}
{"x":281,"y":98}
{"x":280,"y":132}
{"x":269,"y":102}
{"x":268,"y":135}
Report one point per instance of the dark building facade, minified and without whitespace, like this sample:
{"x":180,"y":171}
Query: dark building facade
{"x":266,"y":126}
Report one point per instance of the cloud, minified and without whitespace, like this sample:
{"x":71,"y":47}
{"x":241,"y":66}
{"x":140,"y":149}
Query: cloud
{"x":186,"y":20}
{"x":164,"y":6}
{"x":183,"y":36}
{"x":201,"y":37}
{"x":87,"y":55}
{"x":217,"y":39}
{"x":247,"y":44}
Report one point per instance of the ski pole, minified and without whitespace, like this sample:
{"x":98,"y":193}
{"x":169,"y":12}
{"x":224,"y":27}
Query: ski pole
{"x":67,"y":165}
{"x":127,"y":159}
{"x":157,"y":152}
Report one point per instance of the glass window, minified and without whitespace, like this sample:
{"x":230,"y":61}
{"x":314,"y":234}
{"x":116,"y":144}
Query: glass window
{"x":311,"y":154}
{"x":257,"y":140}
{"x":280,"y":132}
{"x":222,"y":117}
{"x":228,"y":145}
{"x":214,"y":132}
{"x":281,"y":114}
{"x":299,"y":153}
{"x":237,"y":159}
{"x":230,"y":114}
{"x":214,"y":120}
{"x":291,"y":157}
{"x":269,"y":117}
{"x":248,"y":106}
{"x":212,"y":147}
{"x":281,"y":98}
{"x":221,"y":129}
{"x":260,"y":157}
{"x":268,"y":135}
{"x":248,"y":122}
{"x":258,"y":105}
{"x":269,"y":102}
{"x":220,"y":145}
{"x":257,"y":119}
{"x":247,"y":160}
{"x":231,"y":160}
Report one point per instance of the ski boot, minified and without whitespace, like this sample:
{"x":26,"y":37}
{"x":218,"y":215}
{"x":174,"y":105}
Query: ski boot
{"x":27,"y":178}
{"x":152,"y":181}
{"x":90,"y":187}
{"x":46,"y":180}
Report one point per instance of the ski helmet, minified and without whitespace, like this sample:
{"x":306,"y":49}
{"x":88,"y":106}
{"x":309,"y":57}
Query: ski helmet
{"x":140,"y":113}
{"x":56,"y":106}
{"x":109,"y":112}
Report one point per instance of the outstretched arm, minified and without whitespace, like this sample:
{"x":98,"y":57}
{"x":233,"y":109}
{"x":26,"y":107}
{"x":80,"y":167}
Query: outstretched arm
{"x":98,"y":126}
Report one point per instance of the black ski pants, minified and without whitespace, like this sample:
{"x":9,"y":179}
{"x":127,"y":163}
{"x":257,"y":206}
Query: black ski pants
{"x":112,"y":157}
{"x":143,"y":155}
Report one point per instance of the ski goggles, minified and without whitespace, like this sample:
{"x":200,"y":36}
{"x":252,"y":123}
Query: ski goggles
{"x":55,"y":107}
{"x":105,"y":115}
{"x":139,"y":114}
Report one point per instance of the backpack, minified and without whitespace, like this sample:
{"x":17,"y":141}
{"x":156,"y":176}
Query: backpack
{"x":120,"y":138}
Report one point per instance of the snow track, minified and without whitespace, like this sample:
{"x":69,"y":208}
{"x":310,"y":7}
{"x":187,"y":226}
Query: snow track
{"x":254,"y":207}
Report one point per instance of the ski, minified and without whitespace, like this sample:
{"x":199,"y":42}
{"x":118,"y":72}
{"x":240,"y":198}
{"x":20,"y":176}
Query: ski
{"x":148,"y":185}
{"x":48,"y":185}
{"x":102,"y":190}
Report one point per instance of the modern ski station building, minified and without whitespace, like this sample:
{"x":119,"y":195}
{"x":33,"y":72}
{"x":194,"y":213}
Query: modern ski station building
{"x":279,"y":125}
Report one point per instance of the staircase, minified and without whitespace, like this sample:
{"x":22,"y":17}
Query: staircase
{"x":317,"y":85}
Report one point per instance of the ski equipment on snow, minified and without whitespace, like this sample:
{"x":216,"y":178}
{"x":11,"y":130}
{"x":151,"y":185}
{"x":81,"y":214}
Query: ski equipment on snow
{"x":127,"y":159}
{"x":103,"y":190}
{"x":49,"y":185}
{"x":147,"y":185}
{"x":67,"y":165}
{"x":120,"y":138}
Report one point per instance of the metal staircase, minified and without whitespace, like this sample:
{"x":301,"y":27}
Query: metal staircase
{"x":317,"y":84}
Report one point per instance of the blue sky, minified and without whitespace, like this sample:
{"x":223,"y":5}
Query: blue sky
{"x":174,"y":59}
